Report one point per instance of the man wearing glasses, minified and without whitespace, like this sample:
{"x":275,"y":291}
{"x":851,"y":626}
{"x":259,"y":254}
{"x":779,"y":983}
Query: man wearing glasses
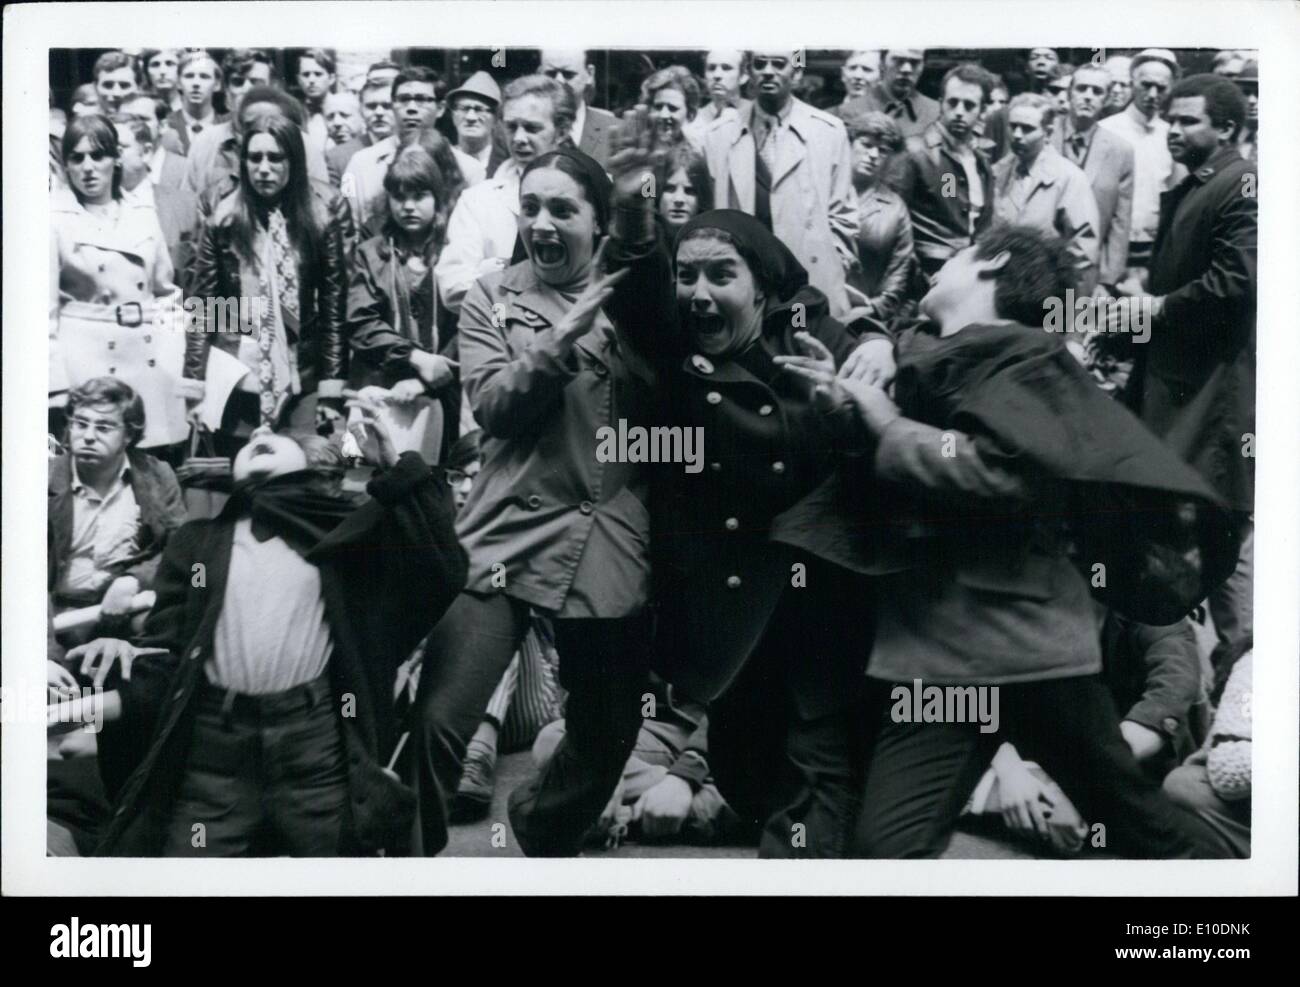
{"x":474,"y":112}
{"x":788,"y":164}
{"x":111,"y":507}
{"x":592,"y":128}
{"x":416,"y":102}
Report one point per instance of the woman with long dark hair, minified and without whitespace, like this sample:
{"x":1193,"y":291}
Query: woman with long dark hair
{"x":275,"y":245}
{"x":403,"y":339}
{"x":111,"y":284}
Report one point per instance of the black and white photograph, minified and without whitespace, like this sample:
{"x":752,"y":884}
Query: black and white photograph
{"x":475,"y":433}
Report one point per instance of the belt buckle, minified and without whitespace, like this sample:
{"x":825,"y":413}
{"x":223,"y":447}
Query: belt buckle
{"x":139,"y":315}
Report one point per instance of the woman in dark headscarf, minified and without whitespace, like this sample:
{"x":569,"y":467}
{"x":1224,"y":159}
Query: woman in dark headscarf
{"x":775,"y":637}
{"x":550,"y":525}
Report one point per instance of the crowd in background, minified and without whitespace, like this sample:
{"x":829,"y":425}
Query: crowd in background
{"x":330,"y":357}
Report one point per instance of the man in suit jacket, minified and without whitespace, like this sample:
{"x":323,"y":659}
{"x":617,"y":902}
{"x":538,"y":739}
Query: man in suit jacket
{"x":592,"y":128}
{"x":167,"y":163}
{"x":896,"y":94}
{"x":177,"y":208}
{"x":789,"y":165}
{"x":1107,"y":159}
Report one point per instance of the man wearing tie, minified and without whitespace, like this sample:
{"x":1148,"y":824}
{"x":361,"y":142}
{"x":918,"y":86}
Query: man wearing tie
{"x":896,"y":94}
{"x":789,"y":165}
{"x":199,"y":81}
{"x":1107,"y":160}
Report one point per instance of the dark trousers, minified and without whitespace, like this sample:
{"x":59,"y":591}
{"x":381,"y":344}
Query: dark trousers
{"x":605,"y":667}
{"x":265,"y":776}
{"x":921,"y":775}
{"x":787,"y":740}
{"x":464,"y":659}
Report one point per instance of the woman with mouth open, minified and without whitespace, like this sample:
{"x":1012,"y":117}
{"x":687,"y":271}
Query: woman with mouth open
{"x":276,"y":241}
{"x":547,"y":526}
{"x":752,"y":607}
{"x":111,"y":278}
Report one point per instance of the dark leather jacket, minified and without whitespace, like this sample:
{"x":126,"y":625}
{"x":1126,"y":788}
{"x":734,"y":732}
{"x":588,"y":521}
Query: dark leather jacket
{"x":321,"y":340}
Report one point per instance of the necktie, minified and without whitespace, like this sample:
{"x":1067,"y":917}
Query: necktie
{"x":768,"y":147}
{"x":897,"y":108}
{"x":1078,"y":144}
{"x":764,"y":161}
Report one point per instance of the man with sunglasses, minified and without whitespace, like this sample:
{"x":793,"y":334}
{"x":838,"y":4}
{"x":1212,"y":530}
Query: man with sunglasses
{"x":591,"y":130}
{"x":788,"y":164}
{"x":111,"y":507}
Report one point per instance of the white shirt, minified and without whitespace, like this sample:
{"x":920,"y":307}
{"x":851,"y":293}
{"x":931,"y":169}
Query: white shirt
{"x":105,"y":531}
{"x":272,"y":633}
{"x":1154,"y":170}
{"x":483,"y":225}
{"x":156,"y":164}
{"x":473,"y":167}
{"x":363,"y":179}
{"x":579,"y":124}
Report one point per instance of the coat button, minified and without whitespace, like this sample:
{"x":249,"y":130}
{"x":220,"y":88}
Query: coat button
{"x":153,"y":362}
{"x":1170,"y":724}
{"x":140,"y":285}
{"x":534,"y":501}
{"x":713,"y":397}
{"x":179,"y":693}
{"x":600,"y":370}
{"x":733,"y":582}
{"x":148,"y":339}
{"x":112,"y":344}
{"x":731,"y":524}
{"x":586,"y":507}
{"x":778,"y":467}
{"x":196,"y":654}
{"x":112,"y":370}
{"x":766,"y":410}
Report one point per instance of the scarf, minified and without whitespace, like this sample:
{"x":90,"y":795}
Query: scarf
{"x":291,"y":506}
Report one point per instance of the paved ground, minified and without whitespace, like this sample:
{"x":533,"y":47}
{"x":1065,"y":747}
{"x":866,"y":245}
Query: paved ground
{"x":475,"y":839}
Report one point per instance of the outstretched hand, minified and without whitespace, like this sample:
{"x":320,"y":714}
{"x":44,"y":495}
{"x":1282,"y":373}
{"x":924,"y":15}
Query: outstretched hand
{"x":635,"y":159}
{"x":382,"y":451}
{"x":582,"y":314}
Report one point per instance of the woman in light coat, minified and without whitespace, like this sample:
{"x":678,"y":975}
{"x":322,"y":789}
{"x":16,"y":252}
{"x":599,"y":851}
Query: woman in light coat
{"x":112,"y":296}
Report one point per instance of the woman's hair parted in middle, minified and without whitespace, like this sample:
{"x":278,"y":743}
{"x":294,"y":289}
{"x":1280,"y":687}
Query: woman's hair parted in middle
{"x":416,"y":169}
{"x":295,"y":201}
{"x":102,"y":134}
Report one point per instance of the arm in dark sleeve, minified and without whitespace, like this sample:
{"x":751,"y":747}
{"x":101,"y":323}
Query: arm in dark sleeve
{"x":1228,"y":285}
{"x":898,"y":272}
{"x":205,"y":283}
{"x":643,"y":307}
{"x":1173,"y":676}
{"x":369,"y":320}
{"x":331,"y":302}
{"x":167,"y":515}
{"x":947,"y":463}
{"x":692,"y":764}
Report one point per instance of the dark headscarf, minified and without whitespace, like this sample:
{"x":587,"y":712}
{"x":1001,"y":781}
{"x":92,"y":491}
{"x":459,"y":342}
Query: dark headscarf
{"x":773,"y":264}
{"x":596,"y":186}
{"x":295,"y":506}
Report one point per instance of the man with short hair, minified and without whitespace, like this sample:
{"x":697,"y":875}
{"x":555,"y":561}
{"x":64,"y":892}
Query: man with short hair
{"x":1154,"y":169}
{"x":376,"y":101}
{"x":1043,"y":66}
{"x":1248,"y":83}
{"x":166,"y":166}
{"x":198,"y":81}
{"x":343,"y":123}
{"x":474,"y":106}
{"x":1107,"y":160}
{"x":111,"y":505}
{"x":316,"y":78}
{"x":860,"y":71}
{"x":789,"y":165}
{"x":116,"y":80}
{"x":896,"y":93}
{"x":536,"y":113}
{"x":1034,"y":186}
{"x":415,"y":102}
{"x":726,"y":73}
{"x":591,"y":129}
{"x":945,"y":180}
{"x":384,"y":72}
{"x":1193,"y":383}
{"x":177,"y":208}
{"x":1118,"y":67}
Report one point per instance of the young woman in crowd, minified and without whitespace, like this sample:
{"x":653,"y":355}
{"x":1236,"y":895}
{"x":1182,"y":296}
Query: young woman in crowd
{"x":879,"y":282}
{"x":549,"y":526}
{"x":684,"y":186}
{"x":111,"y":285}
{"x":274,"y":239}
{"x":403,"y":340}
{"x":673,"y":95}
